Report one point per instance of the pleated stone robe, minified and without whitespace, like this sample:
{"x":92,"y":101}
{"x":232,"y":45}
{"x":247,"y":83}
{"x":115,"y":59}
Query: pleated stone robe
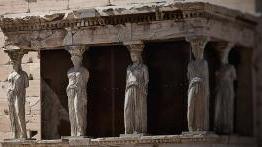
{"x":135,"y":107}
{"x":18,"y":82}
{"x":224,"y":102}
{"x":198,"y":93}
{"x":77,"y":100}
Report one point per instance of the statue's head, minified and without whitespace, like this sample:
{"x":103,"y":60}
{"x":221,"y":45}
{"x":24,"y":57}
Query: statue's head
{"x":198,"y":44}
{"x":16,"y":58}
{"x":136,"y":56}
{"x":224,"y":51}
{"x":224,"y":56}
{"x":77,"y":60}
{"x":16,"y":65}
{"x":76,"y":53}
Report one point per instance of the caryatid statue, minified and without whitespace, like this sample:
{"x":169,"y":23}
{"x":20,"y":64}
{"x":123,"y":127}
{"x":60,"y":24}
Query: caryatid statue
{"x":76,"y":91}
{"x":224,"y":100}
{"x":198,"y":91}
{"x":135,"y":107}
{"x":18,"y":82}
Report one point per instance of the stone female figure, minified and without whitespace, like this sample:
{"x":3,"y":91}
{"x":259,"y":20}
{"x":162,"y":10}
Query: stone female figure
{"x":18,"y":82}
{"x":224,"y":102}
{"x":77,"y":97}
{"x":135,"y":107}
{"x":198,"y":92}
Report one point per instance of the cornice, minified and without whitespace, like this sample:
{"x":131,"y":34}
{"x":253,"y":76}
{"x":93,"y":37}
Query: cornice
{"x":177,"y":12}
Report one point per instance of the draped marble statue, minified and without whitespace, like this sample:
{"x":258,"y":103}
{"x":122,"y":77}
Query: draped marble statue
{"x":198,"y":91}
{"x":135,"y":107}
{"x":76,"y":91}
{"x":224,"y":100}
{"x":18,"y":82}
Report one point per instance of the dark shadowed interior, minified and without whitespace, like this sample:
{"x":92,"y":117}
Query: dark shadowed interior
{"x":167,"y":92}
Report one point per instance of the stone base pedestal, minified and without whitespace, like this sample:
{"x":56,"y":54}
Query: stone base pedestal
{"x":199,"y":133}
{"x":19,"y":140}
{"x":77,"y":140}
{"x":135,"y":135}
{"x":145,"y":141}
{"x":75,"y":137}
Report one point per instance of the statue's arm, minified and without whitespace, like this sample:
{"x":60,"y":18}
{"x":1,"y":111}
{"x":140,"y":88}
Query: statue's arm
{"x":206,"y":70}
{"x":68,"y":86}
{"x":10,"y":88}
{"x":127,"y":73}
{"x":234,"y":73}
{"x":10,"y":81}
{"x":188,"y":72}
{"x":26,"y":80}
{"x":10,"y":91}
{"x":146,"y":76}
{"x":86,"y":75}
{"x":206,"y":77}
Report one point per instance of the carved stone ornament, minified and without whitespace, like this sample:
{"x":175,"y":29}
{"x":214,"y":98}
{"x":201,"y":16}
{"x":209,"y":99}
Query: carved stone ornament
{"x":197,"y":42}
{"x":76,"y":50}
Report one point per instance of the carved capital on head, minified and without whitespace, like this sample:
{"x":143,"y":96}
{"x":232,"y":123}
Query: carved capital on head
{"x":223,"y":46}
{"x":135,"y":46}
{"x":223,"y":49}
{"x":15,"y":53}
{"x":198,"y":44}
{"x":76,"y":50}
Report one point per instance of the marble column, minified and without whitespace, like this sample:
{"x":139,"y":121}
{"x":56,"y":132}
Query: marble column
{"x":78,"y":77}
{"x":135,"y":107}
{"x":224,"y":100}
{"x":198,"y":91}
{"x":18,"y":82}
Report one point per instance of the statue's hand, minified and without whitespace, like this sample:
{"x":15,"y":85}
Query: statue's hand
{"x":194,"y":83}
{"x":70,"y":92}
{"x":144,"y":88}
{"x":196,"y":88}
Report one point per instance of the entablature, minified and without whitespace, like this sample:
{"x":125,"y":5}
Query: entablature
{"x":115,"y":25}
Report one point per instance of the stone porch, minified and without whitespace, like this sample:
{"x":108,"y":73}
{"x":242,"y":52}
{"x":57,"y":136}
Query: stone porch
{"x":125,"y":26}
